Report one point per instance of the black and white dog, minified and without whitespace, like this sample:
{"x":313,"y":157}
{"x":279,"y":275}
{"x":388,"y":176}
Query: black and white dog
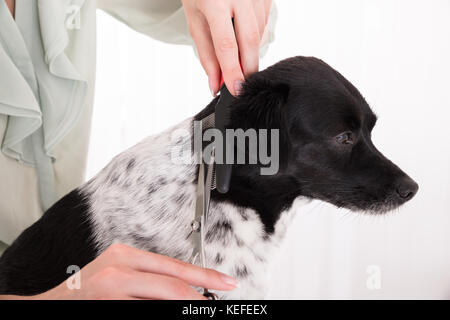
{"x":144,"y":200}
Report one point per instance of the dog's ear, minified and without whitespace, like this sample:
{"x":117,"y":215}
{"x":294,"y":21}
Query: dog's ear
{"x":261,"y":105}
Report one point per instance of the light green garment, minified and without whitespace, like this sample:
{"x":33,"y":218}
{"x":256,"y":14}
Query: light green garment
{"x":53,"y":90}
{"x":47,"y":77}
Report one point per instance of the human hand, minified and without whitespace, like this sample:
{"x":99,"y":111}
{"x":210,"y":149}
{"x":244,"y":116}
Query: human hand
{"x":125,"y":273}
{"x":218,"y":46}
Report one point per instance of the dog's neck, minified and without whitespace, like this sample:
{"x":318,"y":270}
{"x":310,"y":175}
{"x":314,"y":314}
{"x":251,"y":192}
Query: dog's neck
{"x":144,"y":199}
{"x":268,"y":195}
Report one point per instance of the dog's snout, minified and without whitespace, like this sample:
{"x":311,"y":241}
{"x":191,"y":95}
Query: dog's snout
{"x":407,"y":188}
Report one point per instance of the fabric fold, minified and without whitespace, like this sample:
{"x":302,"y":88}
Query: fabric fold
{"x":17,"y":96}
{"x":41,"y":90}
{"x":59,"y":102}
{"x":19,"y":103}
{"x":54,"y":18}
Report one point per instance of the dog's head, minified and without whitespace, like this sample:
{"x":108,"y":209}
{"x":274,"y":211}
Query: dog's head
{"x":326,"y":150}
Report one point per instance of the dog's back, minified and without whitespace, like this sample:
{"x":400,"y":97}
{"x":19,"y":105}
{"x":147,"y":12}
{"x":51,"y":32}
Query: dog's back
{"x":39,"y":258}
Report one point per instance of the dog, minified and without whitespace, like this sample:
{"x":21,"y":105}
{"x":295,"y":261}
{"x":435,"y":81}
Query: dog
{"x":144,"y":200}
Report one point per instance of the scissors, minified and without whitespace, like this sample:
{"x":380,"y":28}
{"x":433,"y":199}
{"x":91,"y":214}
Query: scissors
{"x":211,"y":176}
{"x":203,"y":196}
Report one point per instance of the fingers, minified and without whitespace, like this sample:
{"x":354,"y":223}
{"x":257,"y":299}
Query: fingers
{"x":225,"y":45}
{"x":156,"y":286}
{"x":267,"y":6}
{"x":124,"y":283}
{"x":123,"y":272}
{"x":259,"y":6}
{"x":154,"y":263}
{"x":248,"y":36}
{"x":220,"y":46}
{"x":194,"y":275}
{"x":199,"y":29}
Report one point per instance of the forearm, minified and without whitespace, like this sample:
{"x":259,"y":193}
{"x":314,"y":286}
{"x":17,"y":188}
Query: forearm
{"x":13,"y":297}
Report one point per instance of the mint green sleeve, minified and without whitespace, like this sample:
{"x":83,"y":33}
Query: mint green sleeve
{"x":163,"y":20}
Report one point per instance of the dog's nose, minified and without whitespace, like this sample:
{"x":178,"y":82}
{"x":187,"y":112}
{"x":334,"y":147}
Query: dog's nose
{"x":407,"y":188}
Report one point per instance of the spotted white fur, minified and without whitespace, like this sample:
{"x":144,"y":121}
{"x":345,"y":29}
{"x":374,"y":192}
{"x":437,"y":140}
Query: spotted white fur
{"x":144,"y":199}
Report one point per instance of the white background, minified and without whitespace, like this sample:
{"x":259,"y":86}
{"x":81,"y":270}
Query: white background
{"x":398,"y":54}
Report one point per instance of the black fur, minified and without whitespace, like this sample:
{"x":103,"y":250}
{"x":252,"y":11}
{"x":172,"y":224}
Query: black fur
{"x":42,"y":253}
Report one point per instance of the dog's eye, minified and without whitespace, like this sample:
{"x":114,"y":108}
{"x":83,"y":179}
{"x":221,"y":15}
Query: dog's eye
{"x":345,"y":138}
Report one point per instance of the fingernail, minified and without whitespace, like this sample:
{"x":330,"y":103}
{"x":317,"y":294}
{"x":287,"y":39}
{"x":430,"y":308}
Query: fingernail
{"x":237,"y":86}
{"x":229,"y":280}
{"x":211,"y":87}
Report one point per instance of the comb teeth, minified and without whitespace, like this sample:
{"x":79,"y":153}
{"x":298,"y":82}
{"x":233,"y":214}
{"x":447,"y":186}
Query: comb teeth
{"x":213,"y":182}
{"x":209,"y":121}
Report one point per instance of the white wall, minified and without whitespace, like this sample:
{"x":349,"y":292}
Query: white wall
{"x":397,"y":53}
